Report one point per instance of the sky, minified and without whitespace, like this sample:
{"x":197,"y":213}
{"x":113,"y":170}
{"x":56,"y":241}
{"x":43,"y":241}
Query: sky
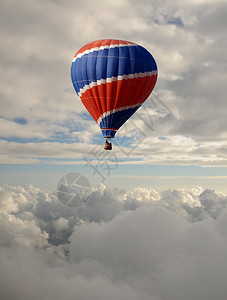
{"x":154,"y":224}
{"x":182,"y":123}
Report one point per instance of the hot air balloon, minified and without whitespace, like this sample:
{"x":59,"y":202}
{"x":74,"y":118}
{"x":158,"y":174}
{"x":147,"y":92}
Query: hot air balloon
{"x":113,"y":78}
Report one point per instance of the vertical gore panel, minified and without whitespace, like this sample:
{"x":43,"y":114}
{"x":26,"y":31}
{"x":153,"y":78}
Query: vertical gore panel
{"x":113,"y":80}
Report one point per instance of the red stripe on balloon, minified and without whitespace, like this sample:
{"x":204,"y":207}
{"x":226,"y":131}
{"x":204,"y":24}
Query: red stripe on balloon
{"x":100,"y":43}
{"x":109,"y":96}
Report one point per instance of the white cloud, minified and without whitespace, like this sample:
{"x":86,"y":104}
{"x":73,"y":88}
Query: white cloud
{"x":7,"y":202}
{"x":61,"y":224}
{"x":167,"y":150}
{"x":170,"y":245}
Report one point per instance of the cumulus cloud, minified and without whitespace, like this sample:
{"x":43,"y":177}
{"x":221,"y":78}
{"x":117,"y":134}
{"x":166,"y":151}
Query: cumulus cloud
{"x":130,"y":245}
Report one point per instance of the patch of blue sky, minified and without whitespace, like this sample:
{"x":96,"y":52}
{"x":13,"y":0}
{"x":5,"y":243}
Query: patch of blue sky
{"x":161,"y":112}
{"x":171,"y":170}
{"x":175,"y":21}
{"x":21,"y":121}
{"x":71,"y":125}
{"x":46,"y":160}
{"x":7,"y":169}
{"x":87,"y":116}
{"x":58,"y":139}
{"x":170,"y":20}
{"x":162,"y":138}
{"x":128,"y":176}
{"x":62,"y":138}
{"x":122,"y":169}
{"x":22,"y":140}
{"x":124,"y":141}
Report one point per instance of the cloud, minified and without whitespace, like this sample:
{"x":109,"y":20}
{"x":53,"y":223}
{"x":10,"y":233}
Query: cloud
{"x":126,"y":245}
{"x":130,"y":245}
{"x":41,"y":38}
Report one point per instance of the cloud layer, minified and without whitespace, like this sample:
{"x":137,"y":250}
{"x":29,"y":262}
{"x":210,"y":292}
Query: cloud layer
{"x":137,"y":245}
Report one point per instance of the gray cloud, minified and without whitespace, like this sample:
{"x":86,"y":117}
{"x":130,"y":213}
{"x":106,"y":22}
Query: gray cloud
{"x":132,"y":245}
{"x":39,"y":39}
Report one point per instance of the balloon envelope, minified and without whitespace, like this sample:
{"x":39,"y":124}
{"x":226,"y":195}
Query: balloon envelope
{"x":113,"y":78}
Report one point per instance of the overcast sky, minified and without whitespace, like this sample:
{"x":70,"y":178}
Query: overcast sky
{"x":39,"y":106}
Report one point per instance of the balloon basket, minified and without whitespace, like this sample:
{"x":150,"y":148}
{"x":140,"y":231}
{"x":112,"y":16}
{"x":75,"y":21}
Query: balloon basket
{"x":108,"y":145}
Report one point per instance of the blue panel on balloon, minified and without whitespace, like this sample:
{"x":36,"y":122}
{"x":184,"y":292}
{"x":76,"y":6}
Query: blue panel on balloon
{"x":117,"y":119}
{"x":108,"y":133}
{"x":113,"y":62}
